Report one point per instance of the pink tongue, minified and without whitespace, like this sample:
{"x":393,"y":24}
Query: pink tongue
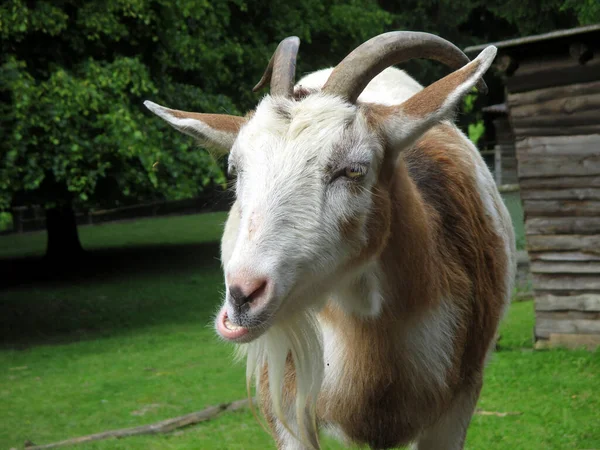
{"x":226,"y":332}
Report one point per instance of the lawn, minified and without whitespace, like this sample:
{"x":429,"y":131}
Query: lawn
{"x":127,"y":340}
{"x":512,"y":200}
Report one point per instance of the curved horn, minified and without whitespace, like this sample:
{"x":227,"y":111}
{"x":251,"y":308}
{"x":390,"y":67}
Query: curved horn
{"x":351,"y":76}
{"x":281,"y":70}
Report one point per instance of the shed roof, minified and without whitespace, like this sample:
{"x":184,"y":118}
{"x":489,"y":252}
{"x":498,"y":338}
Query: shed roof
{"x":536,"y":38}
{"x":496,"y":109}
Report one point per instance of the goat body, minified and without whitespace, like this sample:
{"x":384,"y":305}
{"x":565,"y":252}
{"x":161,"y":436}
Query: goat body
{"x":368,"y":307}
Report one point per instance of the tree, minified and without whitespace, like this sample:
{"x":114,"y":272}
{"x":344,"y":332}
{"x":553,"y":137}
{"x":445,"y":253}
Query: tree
{"x":74,"y":74}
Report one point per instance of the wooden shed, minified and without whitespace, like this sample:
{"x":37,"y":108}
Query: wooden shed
{"x":552,"y":84}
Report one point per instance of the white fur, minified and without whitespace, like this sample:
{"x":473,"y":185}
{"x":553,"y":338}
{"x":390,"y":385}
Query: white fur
{"x":290,"y":441}
{"x":281,"y":160}
{"x":391,"y":87}
{"x":301,"y":336}
{"x":360,"y":294}
{"x":430,"y":343}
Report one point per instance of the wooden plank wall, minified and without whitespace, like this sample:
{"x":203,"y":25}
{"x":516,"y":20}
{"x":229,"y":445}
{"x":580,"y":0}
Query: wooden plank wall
{"x":557,"y":135}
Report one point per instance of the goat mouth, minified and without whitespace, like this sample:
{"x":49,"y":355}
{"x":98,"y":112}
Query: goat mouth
{"x":228,"y":330}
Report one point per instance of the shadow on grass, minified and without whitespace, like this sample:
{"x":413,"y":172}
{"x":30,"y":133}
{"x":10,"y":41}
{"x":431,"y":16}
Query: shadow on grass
{"x":106,"y":264}
{"x":106,"y":292}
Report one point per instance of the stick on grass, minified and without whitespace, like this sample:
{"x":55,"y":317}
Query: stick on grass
{"x":164,"y":426}
{"x":497,"y":413}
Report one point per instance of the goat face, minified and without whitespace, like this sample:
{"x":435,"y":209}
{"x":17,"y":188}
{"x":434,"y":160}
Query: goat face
{"x":311,"y":195}
{"x":305,"y":175}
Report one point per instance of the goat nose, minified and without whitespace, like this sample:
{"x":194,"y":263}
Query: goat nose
{"x":246,"y":291}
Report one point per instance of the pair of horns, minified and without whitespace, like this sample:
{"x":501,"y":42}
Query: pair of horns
{"x":352,"y":75}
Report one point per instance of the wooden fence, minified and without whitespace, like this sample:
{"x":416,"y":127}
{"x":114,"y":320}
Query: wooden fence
{"x":32,"y":218}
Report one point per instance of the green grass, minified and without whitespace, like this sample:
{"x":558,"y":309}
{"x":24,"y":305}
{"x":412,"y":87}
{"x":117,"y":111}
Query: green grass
{"x":131,"y":333}
{"x":512,"y":200}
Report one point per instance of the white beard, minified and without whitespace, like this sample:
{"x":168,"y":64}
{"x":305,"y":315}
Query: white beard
{"x":300,"y":335}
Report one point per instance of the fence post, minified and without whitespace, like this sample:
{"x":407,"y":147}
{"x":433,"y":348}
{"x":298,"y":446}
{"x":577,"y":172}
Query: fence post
{"x":18,"y":219}
{"x":498,"y":164}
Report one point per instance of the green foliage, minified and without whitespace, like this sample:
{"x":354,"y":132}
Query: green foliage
{"x":73,"y":78}
{"x":588,"y":11}
{"x":475,"y":131}
{"x":74,"y":74}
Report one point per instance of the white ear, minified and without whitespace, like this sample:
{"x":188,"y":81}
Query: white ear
{"x":214,"y":130}
{"x":436,"y":102}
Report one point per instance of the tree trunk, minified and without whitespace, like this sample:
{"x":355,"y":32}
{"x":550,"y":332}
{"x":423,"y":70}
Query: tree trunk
{"x":63,"y":239}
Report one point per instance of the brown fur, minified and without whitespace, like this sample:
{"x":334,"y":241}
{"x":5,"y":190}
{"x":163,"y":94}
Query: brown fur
{"x":349,"y":228}
{"x":445,"y":176}
{"x":222,"y":122}
{"x":435,"y":243}
{"x":433,"y":96}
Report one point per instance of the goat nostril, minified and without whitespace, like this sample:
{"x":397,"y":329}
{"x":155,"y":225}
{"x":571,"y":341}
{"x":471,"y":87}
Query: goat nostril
{"x":241,"y":294}
{"x":259,"y":291}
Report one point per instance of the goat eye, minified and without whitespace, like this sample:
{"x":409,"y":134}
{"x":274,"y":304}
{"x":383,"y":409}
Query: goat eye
{"x":355,"y":172}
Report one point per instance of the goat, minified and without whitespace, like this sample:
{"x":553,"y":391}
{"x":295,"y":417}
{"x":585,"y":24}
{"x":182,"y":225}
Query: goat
{"x":368,"y":257}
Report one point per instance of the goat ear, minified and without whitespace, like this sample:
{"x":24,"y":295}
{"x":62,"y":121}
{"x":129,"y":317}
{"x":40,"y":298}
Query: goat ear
{"x":437,"y":102}
{"x":214,"y":130}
